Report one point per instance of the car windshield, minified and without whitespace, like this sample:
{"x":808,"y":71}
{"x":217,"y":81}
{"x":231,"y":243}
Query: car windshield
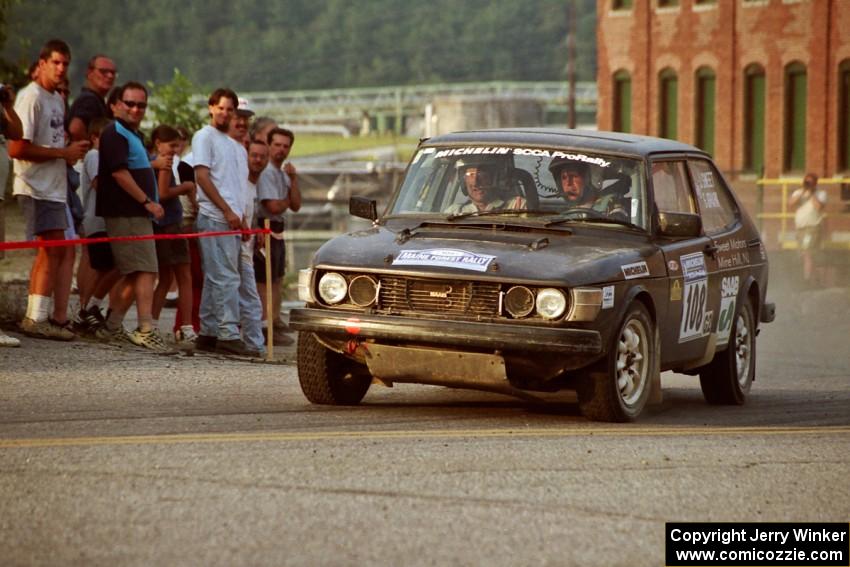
{"x":527,"y":182}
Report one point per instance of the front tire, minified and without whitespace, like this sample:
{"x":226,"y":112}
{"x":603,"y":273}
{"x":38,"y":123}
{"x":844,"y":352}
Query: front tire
{"x":617,"y":388}
{"x":327,"y":377}
{"x":727,"y":379}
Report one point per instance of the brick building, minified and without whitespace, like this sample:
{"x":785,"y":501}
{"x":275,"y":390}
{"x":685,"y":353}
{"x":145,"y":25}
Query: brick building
{"x":763,"y":85}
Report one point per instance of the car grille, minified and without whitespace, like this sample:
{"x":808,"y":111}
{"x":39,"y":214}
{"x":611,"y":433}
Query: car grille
{"x":450,"y":297}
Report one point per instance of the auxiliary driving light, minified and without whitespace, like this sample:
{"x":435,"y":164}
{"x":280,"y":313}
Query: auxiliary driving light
{"x":519,"y":301}
{"x":363,"y":291}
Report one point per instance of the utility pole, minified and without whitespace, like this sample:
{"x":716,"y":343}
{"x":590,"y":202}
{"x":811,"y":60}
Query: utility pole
{"x":571,"y":63}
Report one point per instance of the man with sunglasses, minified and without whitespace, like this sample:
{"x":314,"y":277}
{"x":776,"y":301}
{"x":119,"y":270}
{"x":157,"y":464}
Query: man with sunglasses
{"x":127,"y":199}
{"x":91,"y":103}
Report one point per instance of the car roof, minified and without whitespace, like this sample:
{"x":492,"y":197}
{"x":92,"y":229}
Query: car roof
{"x":614,"y":142}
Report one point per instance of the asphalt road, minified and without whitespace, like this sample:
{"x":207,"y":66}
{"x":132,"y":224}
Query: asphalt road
{"x":112,"y":456}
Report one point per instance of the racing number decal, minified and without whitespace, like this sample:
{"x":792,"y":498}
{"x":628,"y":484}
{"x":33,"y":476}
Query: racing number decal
{"x":695,"y":297}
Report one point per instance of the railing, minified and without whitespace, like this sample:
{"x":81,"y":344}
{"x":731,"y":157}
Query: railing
{"x":837,"y":197}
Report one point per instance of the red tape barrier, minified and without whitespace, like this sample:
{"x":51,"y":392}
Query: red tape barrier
{"x":74,"y":242}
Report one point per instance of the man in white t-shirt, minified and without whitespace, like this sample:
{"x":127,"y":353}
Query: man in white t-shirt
{"x":41,"y":186}
{"x":221,"y":174}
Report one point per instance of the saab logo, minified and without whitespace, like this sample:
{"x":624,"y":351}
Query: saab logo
{"x":636,"y":270}
{"x":442,"y":294}
{"x":729,"y":286}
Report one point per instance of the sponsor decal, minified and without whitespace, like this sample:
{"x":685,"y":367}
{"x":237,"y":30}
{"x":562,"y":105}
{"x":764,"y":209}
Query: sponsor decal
{"x":732,"y":253}
{"x":676,"y":291}
{"x":444,"y":257}
{"x":535,"y":152}
{"x":728,"y":294}
{"x":673,"y":266}
{"x":636,"y":270}
{"x":608,"y":297}
{"x":695,"y":298}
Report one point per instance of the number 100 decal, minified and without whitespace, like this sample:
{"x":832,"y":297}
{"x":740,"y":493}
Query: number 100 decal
{"x":695,"y":298}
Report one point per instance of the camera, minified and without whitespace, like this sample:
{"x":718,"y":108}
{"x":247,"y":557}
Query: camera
{"x":5,"y":94}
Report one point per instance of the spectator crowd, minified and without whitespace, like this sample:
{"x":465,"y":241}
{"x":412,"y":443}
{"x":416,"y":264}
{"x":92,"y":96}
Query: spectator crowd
{"x":86,"y":170}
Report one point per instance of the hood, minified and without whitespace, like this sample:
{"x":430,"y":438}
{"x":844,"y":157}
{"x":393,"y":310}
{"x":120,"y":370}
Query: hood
{"x":501,"y":251}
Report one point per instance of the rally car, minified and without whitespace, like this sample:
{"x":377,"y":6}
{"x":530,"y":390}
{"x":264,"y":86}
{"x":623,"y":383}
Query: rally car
{"x":537,"y":260}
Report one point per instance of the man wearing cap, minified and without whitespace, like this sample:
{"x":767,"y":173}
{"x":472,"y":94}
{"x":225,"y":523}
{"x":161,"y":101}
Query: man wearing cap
{"x":239,"y":125}
{"x":479,"y":186}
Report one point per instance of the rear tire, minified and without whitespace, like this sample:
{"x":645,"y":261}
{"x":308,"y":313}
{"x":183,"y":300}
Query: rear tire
{"x":329,"y":378}
{"x":617,"y":387}
{"x":727,"y":379}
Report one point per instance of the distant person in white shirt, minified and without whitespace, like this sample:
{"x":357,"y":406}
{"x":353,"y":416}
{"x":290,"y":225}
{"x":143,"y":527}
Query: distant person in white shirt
{"x":808,"y":221}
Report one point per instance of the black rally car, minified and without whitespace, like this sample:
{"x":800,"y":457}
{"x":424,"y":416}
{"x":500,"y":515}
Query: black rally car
{"x":536,"y":260}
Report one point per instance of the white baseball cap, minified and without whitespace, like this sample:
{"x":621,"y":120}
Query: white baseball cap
{"x":244,"y":108}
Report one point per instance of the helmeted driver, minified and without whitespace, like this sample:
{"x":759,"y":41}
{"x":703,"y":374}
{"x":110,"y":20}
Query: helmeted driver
{"x":577,"y":189}
{"x":479,"y":185}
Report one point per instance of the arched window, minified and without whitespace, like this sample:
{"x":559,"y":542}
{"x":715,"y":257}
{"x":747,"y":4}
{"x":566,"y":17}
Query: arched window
{"x":844,"y":115}
{"x":794,"y":129}
{"x":668,"y":104}
{"x":754,"y":112}
{"x":622,"y":102}
{"x":705,"y":103}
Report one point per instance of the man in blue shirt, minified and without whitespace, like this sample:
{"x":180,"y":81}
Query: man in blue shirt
{"x":127,"y":198}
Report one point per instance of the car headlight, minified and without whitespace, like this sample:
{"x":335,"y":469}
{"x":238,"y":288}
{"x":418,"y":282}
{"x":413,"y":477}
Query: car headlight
{"x":332,"y":288}
{"x":551,"y":303}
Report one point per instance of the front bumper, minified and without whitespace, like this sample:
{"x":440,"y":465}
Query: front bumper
{"x":462,"y":334}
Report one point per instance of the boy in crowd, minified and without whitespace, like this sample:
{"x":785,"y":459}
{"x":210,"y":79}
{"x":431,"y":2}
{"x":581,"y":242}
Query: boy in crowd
{"x":96,"y":274}
{"x":42,"y":188}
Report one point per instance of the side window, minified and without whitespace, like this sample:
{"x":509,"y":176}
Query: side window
{"x":670,"y":185}
{"x":717,"y":207}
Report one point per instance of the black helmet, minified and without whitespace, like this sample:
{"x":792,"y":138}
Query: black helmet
{"x":559,"y":163}
{"x":489,"y":163}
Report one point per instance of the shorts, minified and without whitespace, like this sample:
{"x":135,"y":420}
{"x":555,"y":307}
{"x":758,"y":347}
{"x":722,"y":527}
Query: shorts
{"x":278,"y":257}
{"x":809,"y":237}
{"x":171,"y":252}
{"x":42,"y":216}
{"x":100,"y":254}
{"x":135,"y":255}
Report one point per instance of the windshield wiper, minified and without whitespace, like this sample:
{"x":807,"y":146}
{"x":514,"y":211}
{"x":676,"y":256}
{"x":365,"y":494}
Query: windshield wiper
{"x":496,"y":213}
{"x":599,"y":219}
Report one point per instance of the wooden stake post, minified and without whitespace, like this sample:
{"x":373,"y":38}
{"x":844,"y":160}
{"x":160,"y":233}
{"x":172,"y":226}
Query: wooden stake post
{"x":269,"y":319}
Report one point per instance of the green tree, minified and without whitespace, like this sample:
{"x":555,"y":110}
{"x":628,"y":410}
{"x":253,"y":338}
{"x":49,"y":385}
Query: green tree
{"x":173,"y":104}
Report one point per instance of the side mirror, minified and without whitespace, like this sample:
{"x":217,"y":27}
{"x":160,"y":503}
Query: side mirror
{"x":679,"y":225}
{"x":363,"y":208}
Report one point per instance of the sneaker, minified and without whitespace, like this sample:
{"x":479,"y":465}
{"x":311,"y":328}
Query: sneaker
{"x":46,"y":330}
{"x":108,"y":335}
{"x":205,"y":343}
{"x":7,"y":341}
{"x":88,"y":320}
{"x":236,"y":347}
{"x":185,"y":339}
{"x":150,"y":340}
